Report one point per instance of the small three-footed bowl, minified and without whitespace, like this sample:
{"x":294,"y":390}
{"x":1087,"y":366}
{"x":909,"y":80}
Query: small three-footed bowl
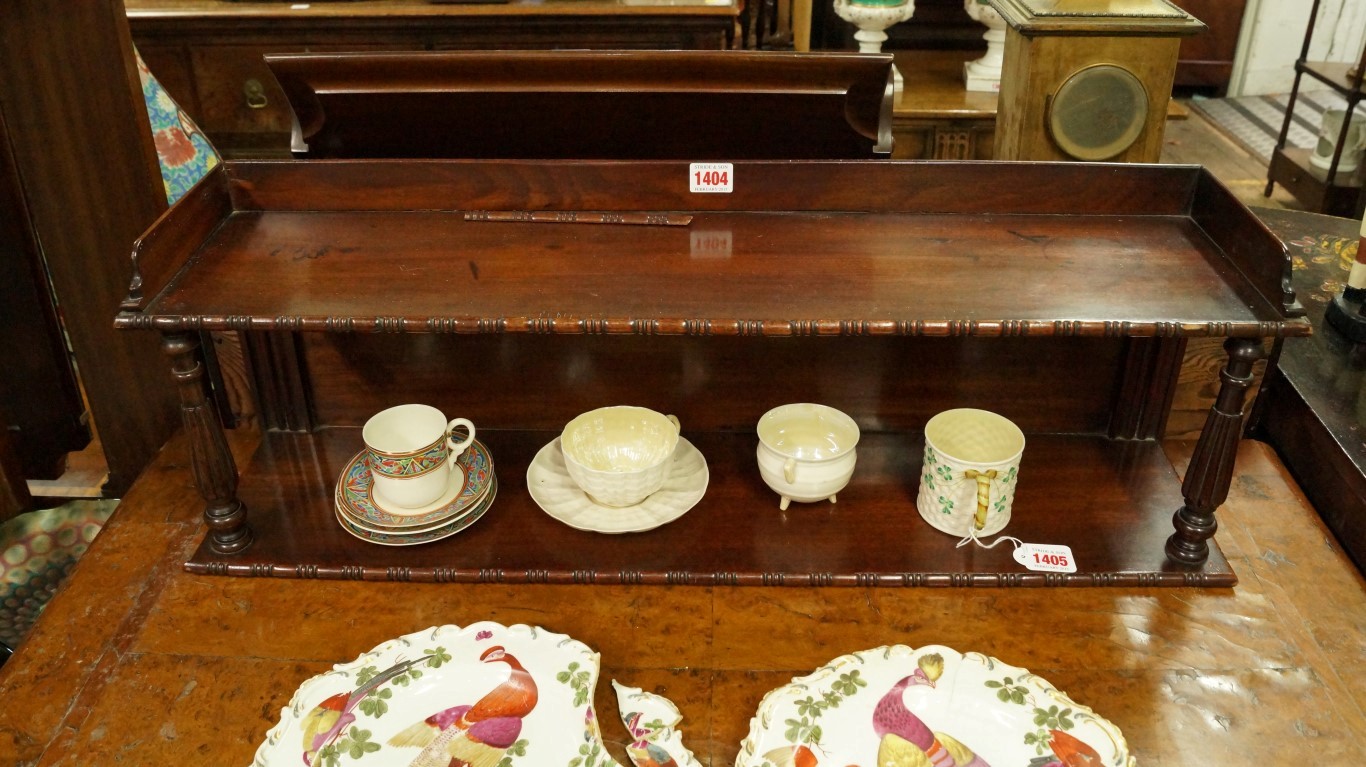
{"x":620,"y":455}
{"x":806,"y":452}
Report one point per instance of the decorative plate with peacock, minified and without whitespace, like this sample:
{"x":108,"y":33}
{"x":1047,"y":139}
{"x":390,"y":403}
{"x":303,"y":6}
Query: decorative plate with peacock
{"x":928,"y":707}
{"x":485,"y":695}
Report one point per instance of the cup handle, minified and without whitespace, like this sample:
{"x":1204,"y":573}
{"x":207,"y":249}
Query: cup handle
{"x":458,"y":447}
{"x":673,"y":419}
{"x":979,"y":520}
{"x":790,"y":470}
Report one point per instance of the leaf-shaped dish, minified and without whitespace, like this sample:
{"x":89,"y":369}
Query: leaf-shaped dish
{"x":902,"y":707}
{"x":652,"y":722}
{"x":486,"y":694}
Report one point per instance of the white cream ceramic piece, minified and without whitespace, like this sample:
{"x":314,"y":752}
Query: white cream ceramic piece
{"x":1330,"y":130}
{"x":967,"y":480}
{"x":411,"y":453}
{"x":873,"y":17}
{"x":902,"y":707}
{"x":806,"y":452}
{"x":651,"y":722}
{"x":620,"y":455}
{"x":356,"y":497}
{"x":984,"y":74}
{"x":486,"y":695}
{"x":556,"y":492}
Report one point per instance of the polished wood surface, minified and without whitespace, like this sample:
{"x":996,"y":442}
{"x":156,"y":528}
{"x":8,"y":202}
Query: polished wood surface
{"x":1206,"y":58}
{"x":736,"y":535}
{"x":1310,"y":408}
{"x":209,"y":53}
{"x":83,"y":148}
{"x":879,"y":253}
{"x":680,"y":105}
{"x":41,"y":411}
{"x":1037,"y":66}
{"x":1038,"y":272}
{"x":136,"y":661}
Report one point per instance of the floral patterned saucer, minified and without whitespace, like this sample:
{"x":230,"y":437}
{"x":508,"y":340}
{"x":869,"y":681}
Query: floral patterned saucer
{"x":902,"y":707}
{"x":557,"y":494}
{"x":355,"y":493}
{"x":485,"y":694}
{"x":415,"y":537}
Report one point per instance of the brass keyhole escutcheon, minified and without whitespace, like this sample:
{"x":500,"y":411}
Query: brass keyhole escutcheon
{"x":255,"y":93}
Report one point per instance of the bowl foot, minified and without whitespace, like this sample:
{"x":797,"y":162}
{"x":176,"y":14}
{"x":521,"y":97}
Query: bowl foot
{"x":783,"y":504}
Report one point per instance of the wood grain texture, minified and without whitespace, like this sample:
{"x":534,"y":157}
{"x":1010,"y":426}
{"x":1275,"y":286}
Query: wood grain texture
{"x":41,"y":410}
{"x":1035,"y":67}
{"x":534,"y":381}
{"x":735,"y":536}
{"x":212,"y":50}
{"x":681,"y":105}
{"x":1206,"y":58}
{"x":1233,"y":670}
{"x":875,"y":272}
{"x":83,"y":147}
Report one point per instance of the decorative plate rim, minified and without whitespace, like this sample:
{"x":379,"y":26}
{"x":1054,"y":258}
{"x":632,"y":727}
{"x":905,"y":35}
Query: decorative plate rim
{"x":416,"y":642}
{"x":747,"y":756}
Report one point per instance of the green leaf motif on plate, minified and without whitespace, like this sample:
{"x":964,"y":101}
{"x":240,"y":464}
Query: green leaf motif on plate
{"x":578,"y":680}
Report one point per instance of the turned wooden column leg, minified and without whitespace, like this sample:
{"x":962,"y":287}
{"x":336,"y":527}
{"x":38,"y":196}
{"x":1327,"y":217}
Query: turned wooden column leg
{"x":1211,"y":467}
{"x":215,"y":472}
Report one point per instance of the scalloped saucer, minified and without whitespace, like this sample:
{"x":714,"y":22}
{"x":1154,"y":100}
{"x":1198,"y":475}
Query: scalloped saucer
{"x":414,"y":538}
{"x":355,"y":494}
{"x":556,"y":493}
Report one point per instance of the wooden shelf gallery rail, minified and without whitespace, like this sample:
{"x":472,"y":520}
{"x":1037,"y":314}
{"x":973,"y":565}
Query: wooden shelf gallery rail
{"x":1059,"y":295}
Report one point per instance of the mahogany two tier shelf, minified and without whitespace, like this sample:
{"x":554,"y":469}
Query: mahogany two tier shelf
{"x":1060,"y":295}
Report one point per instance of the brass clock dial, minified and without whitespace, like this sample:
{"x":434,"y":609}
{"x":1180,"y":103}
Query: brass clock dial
{"x":1098,"y":112}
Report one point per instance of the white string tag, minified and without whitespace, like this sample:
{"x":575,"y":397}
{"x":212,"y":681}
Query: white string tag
{"x":1039,"y":557}
{"x":1046,"y":557}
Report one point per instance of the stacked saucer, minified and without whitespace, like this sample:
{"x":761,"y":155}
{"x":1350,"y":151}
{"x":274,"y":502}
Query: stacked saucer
{"x":367,"y":516}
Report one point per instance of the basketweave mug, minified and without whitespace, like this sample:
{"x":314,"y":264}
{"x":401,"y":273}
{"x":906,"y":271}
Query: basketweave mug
{"x":411,"y":453}
{"x":967,"y":480}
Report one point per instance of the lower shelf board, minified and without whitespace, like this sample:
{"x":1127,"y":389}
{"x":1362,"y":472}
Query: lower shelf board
{"x":1110,"y":501}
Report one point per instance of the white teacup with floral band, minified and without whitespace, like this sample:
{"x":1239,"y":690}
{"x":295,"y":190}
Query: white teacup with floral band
{"x":411,"y":454}
{"x":967,"y":480}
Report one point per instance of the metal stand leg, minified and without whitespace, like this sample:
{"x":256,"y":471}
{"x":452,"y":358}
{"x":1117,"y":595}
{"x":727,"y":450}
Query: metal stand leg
{"x":1211,"y":467}
{"x":215,"y":472}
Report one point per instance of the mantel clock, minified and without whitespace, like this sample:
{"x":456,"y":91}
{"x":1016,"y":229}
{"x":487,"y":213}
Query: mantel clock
{"x":1087,"y":79}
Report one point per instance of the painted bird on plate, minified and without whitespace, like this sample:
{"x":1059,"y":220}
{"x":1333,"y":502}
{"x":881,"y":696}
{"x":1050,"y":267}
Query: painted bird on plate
{"x":326,"y":722}
{"x":1072,"y":752}
{"x":643,"y":751}
{"x":475,"y":735}
{"x":905,"y":740}
{"x":791,"y":756}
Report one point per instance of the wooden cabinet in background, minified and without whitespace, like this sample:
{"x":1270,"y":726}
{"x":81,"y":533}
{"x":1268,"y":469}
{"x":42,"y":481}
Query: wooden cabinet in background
{"x":1206,"y":59}
{"x":208,"y":53}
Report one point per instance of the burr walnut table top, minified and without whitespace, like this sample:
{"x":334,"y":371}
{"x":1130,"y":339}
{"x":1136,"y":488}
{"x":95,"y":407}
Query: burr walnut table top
{"x":137,"y":661}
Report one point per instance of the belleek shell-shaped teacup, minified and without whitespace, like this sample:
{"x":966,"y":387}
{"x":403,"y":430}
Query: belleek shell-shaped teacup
{"x":620,"y":455}
{"x":806,"y":452}
{"x":411,"y":453}
{"x":967,"y":480}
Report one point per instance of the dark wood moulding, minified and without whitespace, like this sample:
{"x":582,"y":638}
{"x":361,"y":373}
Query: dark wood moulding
{"x":1058,"y":294}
